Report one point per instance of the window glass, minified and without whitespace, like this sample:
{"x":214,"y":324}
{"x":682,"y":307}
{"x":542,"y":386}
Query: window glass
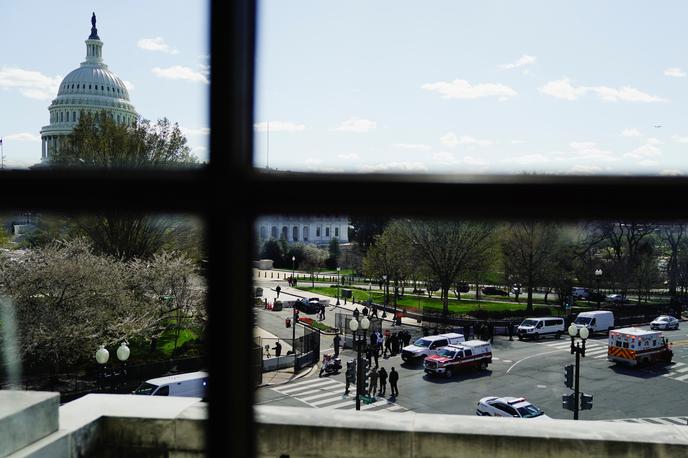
{"x":163,"y":391}
{"x":165,"y":70}
{"x":481,"y":113}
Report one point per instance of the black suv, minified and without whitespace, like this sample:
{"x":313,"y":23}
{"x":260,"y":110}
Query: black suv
{"x":492,"y":291}
{"x":308,"y":307}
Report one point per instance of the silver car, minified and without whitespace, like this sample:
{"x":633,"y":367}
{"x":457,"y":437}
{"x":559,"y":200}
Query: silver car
{"x":664,"y":322}
{"x":493,"y":406}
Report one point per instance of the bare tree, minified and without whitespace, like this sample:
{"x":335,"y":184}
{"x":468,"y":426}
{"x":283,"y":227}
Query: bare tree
{"x":447,"y":248}
{"x":528,"y":252}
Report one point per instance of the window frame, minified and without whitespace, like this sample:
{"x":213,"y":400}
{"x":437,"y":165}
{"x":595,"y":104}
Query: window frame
{"x":229,"y":216}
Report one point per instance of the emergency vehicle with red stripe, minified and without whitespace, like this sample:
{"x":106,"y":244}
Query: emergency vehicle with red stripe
{"x":638,"y":347}
{"x":449,"y":359}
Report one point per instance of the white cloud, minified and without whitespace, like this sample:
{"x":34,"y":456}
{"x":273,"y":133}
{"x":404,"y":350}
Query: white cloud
{"x":349,"y":157}
{"x":449,"y":139}
{"x":645,"y":151}
{"x":520,"y":62}
{"x":156,"y":44}
{"x":393,"y":167}
{"x":23,"y":137}
{"x":279,"y":126}
{"x":670,"y":172}
{"x":313,"y":161}
{"x":445,"y":158}
{"x":179,"y":72}
{"x":631,"y":133}
{"x":462,"y":89}
{"x":563,"y":89}
{"x":29,"y":83}
{"x":679,"y":139}
{"x":648,"y":162}
{"x":413,"y":146}
{"x":358,"y":125}
{"x":129,"y":85}
{"x":653,"y":141}
{"x":517,"y":142}
{"x":589,"y":150}
{"x":195,"y":131}
{"x":585,"y":169}
{"x":528,"y":159}
{"x":469,"y":160}
{"x":675,"y":72}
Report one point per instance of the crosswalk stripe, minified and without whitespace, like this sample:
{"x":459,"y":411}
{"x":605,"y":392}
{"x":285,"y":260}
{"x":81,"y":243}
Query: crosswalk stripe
{"x":316,"y":396}
{"x":386,"y":404}
{"x":682,"y":378}
{"x":396,"y":408}
{"x":348,"y":402}
{"x":676,"y":421}
{"x":679,"y":364}
{"x":661,"y":421}
{"x":683,"y":369}
{"x":292,"y":390}
{"x":603,"y":355}
{"x":309,"y":381}
{"x":335,"y":398}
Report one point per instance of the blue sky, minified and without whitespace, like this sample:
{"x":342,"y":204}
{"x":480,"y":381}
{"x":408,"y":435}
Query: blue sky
{"x":159,"y":47}
{"x":473,"y":87}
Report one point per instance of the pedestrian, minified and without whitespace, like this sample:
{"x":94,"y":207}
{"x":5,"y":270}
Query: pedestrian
{"x":407,"y":338}
{"x":294,"y":283}
{"x":395,"y":344}
{"x":373,"y":381}
{"x":337,"y":339}
{"x":365,"y":311}
{"x":267,"y":351}
{"x":350,"y":375}
{"x":369,"y":355}
{"x":388,"y":345}
{"x":373,"y":338}
{"x":278,"y":289}
{"x":374,"y":312}
{"x":382,"y":374}
{"x":322,"y":312}
{"x":375,"y":355}
{"x":393,"y":379}
{"x":278,"y":349}
{"x":379,"y":343}
{"x":356,"y":313}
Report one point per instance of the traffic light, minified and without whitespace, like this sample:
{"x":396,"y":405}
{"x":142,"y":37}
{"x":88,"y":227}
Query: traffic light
{"x":568,"y":401}
{"x":568,"y":376}
{"x":586,"y":401}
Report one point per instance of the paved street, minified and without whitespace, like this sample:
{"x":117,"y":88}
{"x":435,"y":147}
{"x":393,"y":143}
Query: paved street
{"x":523,"y":368}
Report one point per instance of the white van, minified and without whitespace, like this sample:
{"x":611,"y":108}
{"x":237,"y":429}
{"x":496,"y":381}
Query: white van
{"x":426,"y":346}
{"x":534,"y":328}
{"x":580,"y":293}
{"x":597,"y":321}
{"x":193,"y":384}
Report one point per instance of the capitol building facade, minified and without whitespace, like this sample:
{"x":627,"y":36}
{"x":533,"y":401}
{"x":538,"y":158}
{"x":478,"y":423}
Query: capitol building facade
{"x":91,"y":88}
{"x":317,"y":230}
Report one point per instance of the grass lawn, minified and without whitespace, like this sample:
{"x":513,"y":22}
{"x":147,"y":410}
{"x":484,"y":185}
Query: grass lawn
{"x":463,"y":306}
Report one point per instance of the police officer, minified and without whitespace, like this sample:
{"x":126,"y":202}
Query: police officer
{"x":350,"y":375}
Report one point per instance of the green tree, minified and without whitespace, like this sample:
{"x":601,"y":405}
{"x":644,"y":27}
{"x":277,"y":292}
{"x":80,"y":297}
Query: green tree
{"x":99,"y":141}
{"x":334,"y":252}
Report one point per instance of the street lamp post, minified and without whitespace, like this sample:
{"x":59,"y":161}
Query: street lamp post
{"x":579,"y":351}
{"x":102,"y":356}
{"x":359,"y":339}
{"x":338,"y":277}
{"x":293,"y":261}
{"x":598,"y":277}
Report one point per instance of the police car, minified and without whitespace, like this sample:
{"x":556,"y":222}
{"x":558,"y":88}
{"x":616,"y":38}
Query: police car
{"x":664,"y":322}
{"x":493,"y":406}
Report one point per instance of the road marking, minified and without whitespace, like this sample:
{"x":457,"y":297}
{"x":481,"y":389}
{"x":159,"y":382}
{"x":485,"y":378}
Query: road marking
{"x":336,"y":398}
{"x":683,"y":369}
{"x":681,"y":378}
{"x":306,"y":382}
{"x":317,"y":396}
{"x":508,"y":361}
{"x":495,"y":359}
{"x":292,"y":390}
{"x":528,"y":357}
{"x":654,"y":421}
{"x":603,"y":355}
{"x":542,"y":386}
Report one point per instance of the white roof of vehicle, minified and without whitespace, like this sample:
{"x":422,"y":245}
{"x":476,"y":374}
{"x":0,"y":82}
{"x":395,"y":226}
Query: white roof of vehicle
{"x":471,"y":343}
{"x":595,"y":312}
{"x":544,"y":318}
{"x":177,"y":378}
{"x":451,"y":335}
{"x":635,"y":332}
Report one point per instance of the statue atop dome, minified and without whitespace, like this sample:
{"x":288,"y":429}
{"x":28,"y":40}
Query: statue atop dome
{"x":94,"y":31}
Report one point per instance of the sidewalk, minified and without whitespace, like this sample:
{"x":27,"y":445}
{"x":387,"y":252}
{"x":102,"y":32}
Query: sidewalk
{"x":260,"y":332}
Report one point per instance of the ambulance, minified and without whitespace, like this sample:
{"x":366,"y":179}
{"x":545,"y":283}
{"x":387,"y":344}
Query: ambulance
{"x":449,"y":359}
{"x":638,"y":347}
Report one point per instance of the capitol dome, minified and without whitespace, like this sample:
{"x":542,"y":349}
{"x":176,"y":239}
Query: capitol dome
{"x":91,"y":88}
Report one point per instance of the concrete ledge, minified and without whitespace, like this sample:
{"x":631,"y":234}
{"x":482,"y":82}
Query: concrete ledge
{"x":111,"y":425}
{"x":305,"y":432}
{"x":26,"y":417}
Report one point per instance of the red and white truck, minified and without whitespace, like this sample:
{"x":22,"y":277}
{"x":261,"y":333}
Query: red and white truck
{"x":638,"y":347}
{"x":449,"y":359}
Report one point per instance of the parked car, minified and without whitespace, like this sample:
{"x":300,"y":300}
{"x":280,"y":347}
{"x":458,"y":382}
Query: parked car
{"x":493,"y":406}
{"x":534,"y":328}
{"x":616,"y":299}
{"x":463,"y":287}
{"x":492,"y":291}
{"x":596,"y":297}
{"x":664,"y":322}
